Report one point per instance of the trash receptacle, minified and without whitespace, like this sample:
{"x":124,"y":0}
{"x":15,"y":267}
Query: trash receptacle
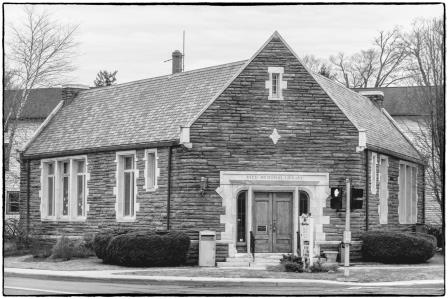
{"x":207,"y":248}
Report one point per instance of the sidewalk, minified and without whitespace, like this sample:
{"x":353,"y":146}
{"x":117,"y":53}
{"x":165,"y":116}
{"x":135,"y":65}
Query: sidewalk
{"x":93,"y":268}
{"x":132,"y":276}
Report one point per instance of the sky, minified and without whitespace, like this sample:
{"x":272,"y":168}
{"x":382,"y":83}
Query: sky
{"x":136,"y":40}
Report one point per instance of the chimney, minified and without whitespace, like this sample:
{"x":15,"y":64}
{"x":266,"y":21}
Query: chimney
{"x":177,"y":62}
{"x":69,"y":92}
{"x":376,"y":96}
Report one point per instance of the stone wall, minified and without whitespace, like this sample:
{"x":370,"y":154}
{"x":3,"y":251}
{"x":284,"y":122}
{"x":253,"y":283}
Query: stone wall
{"x":233,"y":135}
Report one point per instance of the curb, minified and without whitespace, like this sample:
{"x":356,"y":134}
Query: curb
{"x":139,"y":279}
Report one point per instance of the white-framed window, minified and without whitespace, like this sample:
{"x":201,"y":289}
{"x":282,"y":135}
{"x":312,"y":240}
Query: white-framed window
{"x":275,"y":84}
{"x":80,"y":188}
{"x":383,"y":177}
{"x":407,"y":194}
{"x":63,"y":194}
{"x":126,"y":189}
{"x":373,"y":175}
{"x":151,"y":169}
{"x":12,"y":202}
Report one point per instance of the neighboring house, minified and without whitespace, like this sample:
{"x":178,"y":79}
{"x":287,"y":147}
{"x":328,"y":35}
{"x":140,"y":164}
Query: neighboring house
{"x":241,"y":148}
{"x":404,"y":104}
{"x":41,"y":102}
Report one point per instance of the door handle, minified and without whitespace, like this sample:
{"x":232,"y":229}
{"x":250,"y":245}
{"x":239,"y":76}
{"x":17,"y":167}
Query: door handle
{"x":274,"y":227}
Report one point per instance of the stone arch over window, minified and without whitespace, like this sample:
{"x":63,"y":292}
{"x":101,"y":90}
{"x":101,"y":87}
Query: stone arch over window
{"x":241,"y":216}
{"x":304,"y":202}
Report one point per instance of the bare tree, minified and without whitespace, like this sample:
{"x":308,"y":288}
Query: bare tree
{"x":379,"y":66}
{"x":425,"y":46}
{"x":39,"y":52}
{"x":318,"y":66}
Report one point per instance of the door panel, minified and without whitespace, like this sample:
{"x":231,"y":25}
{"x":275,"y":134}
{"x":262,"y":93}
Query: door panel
{"x":262,"y":222}
{"x":282,"y":221}
{"x":272,"y":221}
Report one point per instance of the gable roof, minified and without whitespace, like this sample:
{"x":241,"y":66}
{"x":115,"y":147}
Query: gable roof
{"x":41,"y":102}
{"x":139,"y":112}
{"x":401,"y":100}
{"x":153,"y":110}
{"x":381,"y":132}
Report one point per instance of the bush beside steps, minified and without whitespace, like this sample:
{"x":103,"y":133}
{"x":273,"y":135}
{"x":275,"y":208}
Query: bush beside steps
{"x":142,"y":248}
{"x":397,"y":248}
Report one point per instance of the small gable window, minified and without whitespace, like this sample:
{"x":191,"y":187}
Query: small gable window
{"x":126,"y":190}
{"x":275,"y":84}
{"x":64,"y":189}
{"x":151,"y":170}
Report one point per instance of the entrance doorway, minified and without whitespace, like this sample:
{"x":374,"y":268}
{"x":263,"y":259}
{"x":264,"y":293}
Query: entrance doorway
{"x":272,"y":221}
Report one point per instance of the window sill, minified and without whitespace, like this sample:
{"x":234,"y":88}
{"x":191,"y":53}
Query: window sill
{"x":151,"y":189}
{"x":78,"y":219}
{"x":12,"y":216}
{"x":270,"y":98}
{"x":126,"y":219}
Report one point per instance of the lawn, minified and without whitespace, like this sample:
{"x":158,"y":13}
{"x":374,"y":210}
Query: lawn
{"x":364,"y":272}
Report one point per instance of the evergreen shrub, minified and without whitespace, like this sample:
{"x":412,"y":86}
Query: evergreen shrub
{"x":144,"y":248}
{"x":396,"y":247}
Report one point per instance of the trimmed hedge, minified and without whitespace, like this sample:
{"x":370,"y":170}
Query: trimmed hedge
{"x":397,"y":248}
{"x":143,"y":248}
{"x":102,"y":239}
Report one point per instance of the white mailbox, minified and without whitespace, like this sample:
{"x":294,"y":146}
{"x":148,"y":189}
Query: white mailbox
{"x":207,"y":248}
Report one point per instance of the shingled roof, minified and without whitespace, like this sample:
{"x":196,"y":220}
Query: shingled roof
{"x":41,"y":102}
{"x":381,"y":132}
{"x":140,"y":112}
{"x":152,"y":111}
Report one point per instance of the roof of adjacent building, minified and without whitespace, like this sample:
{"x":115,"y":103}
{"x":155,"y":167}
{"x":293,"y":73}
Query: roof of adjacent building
{"x":41,"y":102}
{"x":153,"y":110}
{"x":402,"y":100}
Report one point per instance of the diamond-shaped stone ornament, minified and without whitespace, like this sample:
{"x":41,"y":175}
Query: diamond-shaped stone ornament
{"x":275,"y":136}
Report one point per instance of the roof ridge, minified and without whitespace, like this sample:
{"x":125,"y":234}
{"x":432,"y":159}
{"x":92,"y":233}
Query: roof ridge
{"x":168,"y":76}
{"x":341,"y":85}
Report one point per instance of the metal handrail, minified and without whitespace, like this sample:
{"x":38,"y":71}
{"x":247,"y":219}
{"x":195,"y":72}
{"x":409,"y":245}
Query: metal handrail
{"x":252,"y":245}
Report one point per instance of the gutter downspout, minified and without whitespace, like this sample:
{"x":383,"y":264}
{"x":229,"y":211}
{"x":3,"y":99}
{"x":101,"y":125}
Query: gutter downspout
{"x":367,"y":189}
{"x":424,"y":196}
{"x":168,"y":199}
{"x":28,"y":190}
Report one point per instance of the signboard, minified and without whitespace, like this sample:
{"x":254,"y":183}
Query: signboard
{"x":306,"y":229}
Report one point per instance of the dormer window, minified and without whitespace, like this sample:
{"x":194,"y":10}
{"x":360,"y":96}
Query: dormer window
{"x":275,"y":84}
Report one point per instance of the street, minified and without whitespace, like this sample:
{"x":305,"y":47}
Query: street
{"x":39,"y":286}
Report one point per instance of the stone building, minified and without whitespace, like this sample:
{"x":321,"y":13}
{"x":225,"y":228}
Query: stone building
{"x":411,"y":112}
{"x":39,"y":105}
{"x":239,"y":148}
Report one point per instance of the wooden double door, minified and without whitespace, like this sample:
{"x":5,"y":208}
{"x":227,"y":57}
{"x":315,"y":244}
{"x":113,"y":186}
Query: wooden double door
{"x":272,"y":221}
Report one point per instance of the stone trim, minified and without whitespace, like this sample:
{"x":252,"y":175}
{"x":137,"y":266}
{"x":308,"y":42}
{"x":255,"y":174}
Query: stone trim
{"x":373,"y":173}
{"x":156,"y":170}
{"x":402,"y":219}
{"x":232,"y":182}
{"x":57,"y":176}
{"x":281,"y":85}
{"x":383,"y":205}
{"x":117,"y":189}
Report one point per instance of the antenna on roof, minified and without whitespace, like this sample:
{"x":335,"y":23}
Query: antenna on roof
{"x":183,"y":51}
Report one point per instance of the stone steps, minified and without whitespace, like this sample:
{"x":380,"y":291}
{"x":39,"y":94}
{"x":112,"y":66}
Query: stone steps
{"x":245,"y":260}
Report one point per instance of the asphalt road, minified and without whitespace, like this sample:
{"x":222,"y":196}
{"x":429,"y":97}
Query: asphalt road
{"x":31,"y":286}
